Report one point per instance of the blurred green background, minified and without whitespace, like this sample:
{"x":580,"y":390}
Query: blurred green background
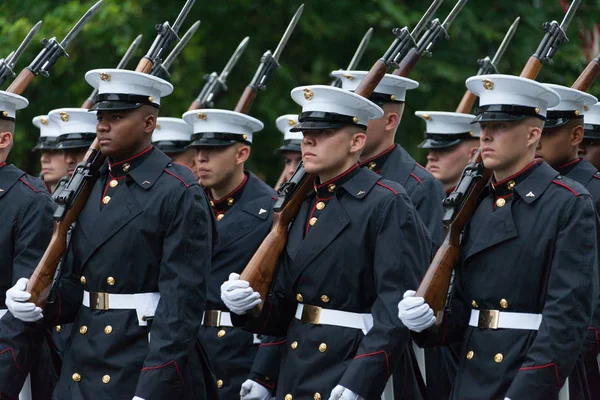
{"x":324,"y":40}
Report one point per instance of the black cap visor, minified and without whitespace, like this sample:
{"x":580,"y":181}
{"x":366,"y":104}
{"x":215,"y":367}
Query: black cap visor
{"x":75,"y":141}
{"x":556,"y":119}
{"x":591,"y":132}
{"x":438,"y":144}
{"x":290,"y":145}
{"x":505,"y":113}
{"x":318,"y":120}
{"x":45,"y":143}
{"x":172,"y":146}
{"x":120,"y":101}
{"x":217,"y":139}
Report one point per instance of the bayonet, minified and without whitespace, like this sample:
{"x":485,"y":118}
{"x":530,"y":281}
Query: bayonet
{"x":288,"y":33}
{"x":337,"y":82}
{"x":162,"y":69}
{"x":7,"y":64}
{"x":424,"y":21}
{"x":187,"y":7}
{"x":216,"y":84}
{"x":436,"y":30}
{"x":569,"y":15}
{"x":505,"y":42}
{"x":555,"y":35}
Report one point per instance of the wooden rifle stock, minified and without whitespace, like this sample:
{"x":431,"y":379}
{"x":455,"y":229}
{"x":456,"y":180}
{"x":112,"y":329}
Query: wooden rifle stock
{"x":588,"y":76}
{"x":263,"y":265}
{"x":87,"y":104}
{"x":21,"y":82}
{"x":408,"y":63}
{"x":375,"y":75}
{"x":245,"y":102}
{"x":532,"y":68}
{"x":466,"y":103}
{"x":194,"y":106}
{"x":145,"y":66}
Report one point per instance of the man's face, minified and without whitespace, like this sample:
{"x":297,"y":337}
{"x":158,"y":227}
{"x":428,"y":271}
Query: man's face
{"x":74,"y":157}
{"x":555,"y":146}
{"x":186,"y":157}
{"x":54,"y":166}
{"x":589,"y":149}
{"x":291,"y":160}
{"x":216,"y":164}
{"x":325,"y":150}
{"x":504,"y":143}
{"x":122,"y":133}
{"x":447,"y":164}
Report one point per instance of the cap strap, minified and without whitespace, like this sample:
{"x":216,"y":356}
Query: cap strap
{"x":509,"y":109}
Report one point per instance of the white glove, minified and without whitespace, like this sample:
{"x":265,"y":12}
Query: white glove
{"x":252,"y":390}
{"x":238,"y":296}
{"x":414,"y":313}
{"x":16,"y":302}
{"x":137,"y":398}
{"x":341,"y":393}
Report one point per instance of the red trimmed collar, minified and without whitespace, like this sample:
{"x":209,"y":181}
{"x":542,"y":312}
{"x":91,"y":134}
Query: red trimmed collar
{"x":566,"y":168}
{"x":506,"y":186}
{"x":376,"y":163}
{"x":327,"y":189}
{"x":225,"y":203}
{"x":2,"y":164}
{"x":122,"y":168}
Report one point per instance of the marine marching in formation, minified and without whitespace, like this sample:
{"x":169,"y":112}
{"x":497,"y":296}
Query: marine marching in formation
{"x":170,"y":315}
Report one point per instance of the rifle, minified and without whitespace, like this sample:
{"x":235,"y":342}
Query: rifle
{"x":216,"y":84}
{"x":73,"y":197}
{"x":360,"y":51}
{"x":49,"y":55}
{"x":162,"y":69}
{"x":89,"y":102}
{"x":433,"y":35}
{"x":461,"y":204}
{"x":268,"y":63}
{"x":588,"y":76}
{"x":261,"y":268}
{"x":486,"y":67}
{"x":7,"y":64}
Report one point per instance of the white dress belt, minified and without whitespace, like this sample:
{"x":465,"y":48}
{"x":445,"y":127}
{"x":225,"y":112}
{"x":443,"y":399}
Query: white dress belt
{"x":511,"y":320}
{"x":143,"y":303}
{"x":225,"y":321}
{"x":345,"y":319}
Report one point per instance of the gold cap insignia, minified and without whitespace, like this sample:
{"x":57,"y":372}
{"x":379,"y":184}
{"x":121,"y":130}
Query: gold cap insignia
{"x":488,"y":84}
{"x":348,"y":76}
{"x":537,"y":110}
{"x":392,"y":97}
{"x":244,"y":137}
{"x":585,"y":108}
{"x":201,"y":115}
{"x":5,"y":113}
{"x":577,"y":113}
{"x":426,"y":117}
{"x":308,"y":94}
{"x":471,"y":133}
{"x":44,"y":121}
{"x":355,"y":119}
{"x":150,"y":99}
{"x":157,"y":126}
{"x":291,"y":122}
{"x":104,"y":76}
{"x":64,"y":116}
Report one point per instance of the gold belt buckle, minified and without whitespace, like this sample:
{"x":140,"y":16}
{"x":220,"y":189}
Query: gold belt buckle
{"x":311,"y":314}
{"x":99,"y":301}
{"x":488,"y":319}
{"x":212,"y":318}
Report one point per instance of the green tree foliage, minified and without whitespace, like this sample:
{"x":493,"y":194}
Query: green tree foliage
{"x":324,"y":40}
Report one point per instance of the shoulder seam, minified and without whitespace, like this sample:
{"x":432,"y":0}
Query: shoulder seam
{"x":177,"y":177}
{"x":28,"y":185}
{"x":565,"y":186}
{"x":387,"y":187}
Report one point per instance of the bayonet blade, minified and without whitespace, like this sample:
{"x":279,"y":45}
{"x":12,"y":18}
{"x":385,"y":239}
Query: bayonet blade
{"x":569,"y":15}
{"x":505,"y":42}
{"x":426,"y":18}
{"x":12,"y":59}
{"x":182,"y":15}
{"x":288,"y":33}
{"x":234,"y":59}
{"x":79,"y":25}
{"x":177,"y":49}
{"x":132,"y":48}
{"x":8,"y":57}
{"x":453,"y":14}
{"x":360,"y":50}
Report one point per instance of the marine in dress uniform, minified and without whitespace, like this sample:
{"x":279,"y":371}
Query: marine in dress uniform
{"x":53,"y":165}
{"x":347,"y":256}
{"x":172,"y":136}
{"x":243,"y":207}
{"x":590,"y":145}
{"x":290,"y":147}
{"x":25,"y":232}
{"x":392,"y":162}
{"x":525,"y":287}
{"x":452,"y":141}
{"x":136,"y":272}
{"x":562,"y":134}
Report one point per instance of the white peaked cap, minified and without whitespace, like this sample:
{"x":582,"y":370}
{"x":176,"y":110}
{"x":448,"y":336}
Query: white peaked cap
{"x":172,"y":129}
{"x":74,"y":120}
{"x":390,"y":84}
{"x":10,"y":103}
{"x":287,"y":122}
{"x":47,"y":127}
{"x":571,"y":99}
{"x":220,"y":123}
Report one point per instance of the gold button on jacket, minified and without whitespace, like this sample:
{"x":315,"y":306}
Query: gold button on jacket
{"x":106,"y":379}
{"x":470,"y":354}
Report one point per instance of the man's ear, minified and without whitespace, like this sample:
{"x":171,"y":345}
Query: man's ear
{"x":576,"y":136}
{"x":6,"y":139}
{"x":149,"y":123}
{"x":392,"y":121}
{"x":533,"y":136}
{"x":242,"y":154}
{"x":357,"y":142}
